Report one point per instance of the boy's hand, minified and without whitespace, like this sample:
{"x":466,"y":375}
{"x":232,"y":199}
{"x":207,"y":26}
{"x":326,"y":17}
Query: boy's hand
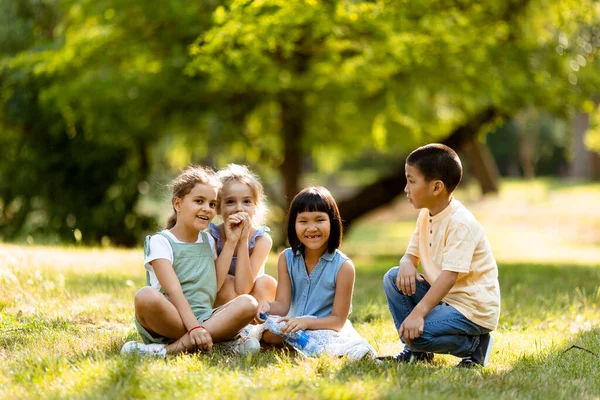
{"x":411,"y":328}
{"x":407,"y":278}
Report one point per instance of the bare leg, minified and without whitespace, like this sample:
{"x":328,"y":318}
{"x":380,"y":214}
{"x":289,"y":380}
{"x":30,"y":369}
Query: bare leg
{"x":264,"y":288}
{"x":223,"y":324}
{"x":231,"y":318}
{"x":157,"y":314}
{"x":271,"y":338}
{"x":227,"y":292}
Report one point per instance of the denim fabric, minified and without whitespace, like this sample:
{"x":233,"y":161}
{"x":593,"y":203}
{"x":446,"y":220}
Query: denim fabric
{"x":313,"y":294}
{"x":446,"y":330}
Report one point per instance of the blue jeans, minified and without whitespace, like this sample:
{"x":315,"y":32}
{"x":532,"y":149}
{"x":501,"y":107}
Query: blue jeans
{"x":446,"y":330}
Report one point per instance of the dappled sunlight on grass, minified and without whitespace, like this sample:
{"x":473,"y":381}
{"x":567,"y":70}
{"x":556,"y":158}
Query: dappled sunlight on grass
{"x":66,"y":312}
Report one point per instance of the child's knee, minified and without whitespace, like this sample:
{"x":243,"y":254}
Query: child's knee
{"x":389,"y":279}
{"x":247,"y":304}
{"x":147,"y":298}
{"x":265,"y":284}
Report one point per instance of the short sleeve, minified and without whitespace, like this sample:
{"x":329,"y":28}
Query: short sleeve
{"x":260,"y":231}
{"x":413,"y":245}
{"x":158,"y":247}
{"x":459,"y":249}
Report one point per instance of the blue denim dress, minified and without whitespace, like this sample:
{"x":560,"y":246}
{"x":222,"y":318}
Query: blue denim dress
{"x":313,"y":294}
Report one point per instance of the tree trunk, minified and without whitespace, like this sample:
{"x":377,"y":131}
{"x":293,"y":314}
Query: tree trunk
{"x":582,"y":159}
{"x":292,"y":124}
{"x":385,"y":190}
{"x":482,"y":165}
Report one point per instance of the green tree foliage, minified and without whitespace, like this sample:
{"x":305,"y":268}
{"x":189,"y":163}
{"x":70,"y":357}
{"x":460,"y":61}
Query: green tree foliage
{"x":95,"y":94}
{"x":389,"y":75}
{"x":93,"y":85}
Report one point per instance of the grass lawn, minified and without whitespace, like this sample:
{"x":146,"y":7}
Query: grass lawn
{"x":66,"y":312}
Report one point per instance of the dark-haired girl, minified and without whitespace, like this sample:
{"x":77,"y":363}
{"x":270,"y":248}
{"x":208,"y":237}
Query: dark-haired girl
{"x":315,"y":279}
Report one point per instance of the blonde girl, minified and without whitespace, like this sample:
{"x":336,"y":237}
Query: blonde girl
{"x":243,"y":252}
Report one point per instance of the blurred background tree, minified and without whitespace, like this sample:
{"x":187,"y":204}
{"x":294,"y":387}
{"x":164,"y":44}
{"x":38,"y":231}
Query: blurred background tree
{"x":102,"y":99}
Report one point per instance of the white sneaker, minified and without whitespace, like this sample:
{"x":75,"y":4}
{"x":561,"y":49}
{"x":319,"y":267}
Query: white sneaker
{"x":254,"y":331}
{"x":155,"y":349}
{"x":243,"y":345}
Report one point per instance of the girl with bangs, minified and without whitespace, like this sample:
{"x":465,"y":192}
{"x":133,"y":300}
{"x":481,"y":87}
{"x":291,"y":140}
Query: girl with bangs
{"x":315,"y":279}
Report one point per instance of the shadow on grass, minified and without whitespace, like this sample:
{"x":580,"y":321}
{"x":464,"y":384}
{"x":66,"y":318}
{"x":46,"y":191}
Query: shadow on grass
{"x":553,"y":373}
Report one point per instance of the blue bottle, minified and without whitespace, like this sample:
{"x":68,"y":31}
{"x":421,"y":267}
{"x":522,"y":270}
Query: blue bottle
{"x":299,"y":339}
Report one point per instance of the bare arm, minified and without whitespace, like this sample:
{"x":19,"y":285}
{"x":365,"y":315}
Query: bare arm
{"x":408,"y":274}
{"x":248,"y":265}
{"x":437,"y":292}
{"x":233,"y":228}
{"x":170,"y":283}
{"x":283,"y":297}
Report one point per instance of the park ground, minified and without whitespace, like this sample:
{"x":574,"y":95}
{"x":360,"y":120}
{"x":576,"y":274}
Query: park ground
{"x":65,"y":312}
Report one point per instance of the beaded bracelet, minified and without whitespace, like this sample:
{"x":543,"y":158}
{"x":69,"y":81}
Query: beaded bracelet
{"x":196,"y":327}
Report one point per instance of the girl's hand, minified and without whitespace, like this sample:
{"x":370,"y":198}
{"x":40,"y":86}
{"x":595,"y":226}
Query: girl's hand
{"x":247,"y":225}
{"x":234,"y":226}
{"x":293,"y":325}
{"x":201,"y":339}
{"x":263,"y":307}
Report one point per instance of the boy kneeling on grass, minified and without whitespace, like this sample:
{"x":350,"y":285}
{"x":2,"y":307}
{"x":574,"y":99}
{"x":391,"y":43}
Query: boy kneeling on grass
{"x":454,"y":305}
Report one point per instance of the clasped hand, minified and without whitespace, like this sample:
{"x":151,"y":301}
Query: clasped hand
{"x":237,"y":226}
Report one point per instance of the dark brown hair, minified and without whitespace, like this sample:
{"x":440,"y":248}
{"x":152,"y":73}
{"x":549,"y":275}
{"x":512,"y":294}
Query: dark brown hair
{"x":186,"y":181}
{"x":314,"y":198}
{"x":437,"y":161}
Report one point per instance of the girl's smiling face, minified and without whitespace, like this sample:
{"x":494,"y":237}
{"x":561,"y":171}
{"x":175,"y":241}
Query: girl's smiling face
{"x":197,"y":208}
{"x":313,"y":229}
{"x":237,"y":197}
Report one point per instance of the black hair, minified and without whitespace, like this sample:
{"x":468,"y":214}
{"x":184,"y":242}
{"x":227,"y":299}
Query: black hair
{"x":437,"y":161}
{"x":314,"y":198}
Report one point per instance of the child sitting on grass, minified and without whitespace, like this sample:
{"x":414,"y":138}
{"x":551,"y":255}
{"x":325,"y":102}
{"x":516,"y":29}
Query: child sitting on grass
{"x":241,"y":202}
{"x":454,"y":305}
{"x":175,"y":313}
{"x":316,"y":280}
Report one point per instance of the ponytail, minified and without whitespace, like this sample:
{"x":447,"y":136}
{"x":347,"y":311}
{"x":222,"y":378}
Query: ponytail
{"x":172,"y":220}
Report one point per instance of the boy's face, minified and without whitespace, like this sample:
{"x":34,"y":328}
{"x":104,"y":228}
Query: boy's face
{"x":418,"y":190}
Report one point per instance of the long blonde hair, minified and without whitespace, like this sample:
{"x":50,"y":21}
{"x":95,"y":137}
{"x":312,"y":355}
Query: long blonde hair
{"x":241,"y":173}
{"x":185,"y":182}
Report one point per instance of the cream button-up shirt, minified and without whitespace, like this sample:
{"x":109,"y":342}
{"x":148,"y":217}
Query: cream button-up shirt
{"x":453,"y":240}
